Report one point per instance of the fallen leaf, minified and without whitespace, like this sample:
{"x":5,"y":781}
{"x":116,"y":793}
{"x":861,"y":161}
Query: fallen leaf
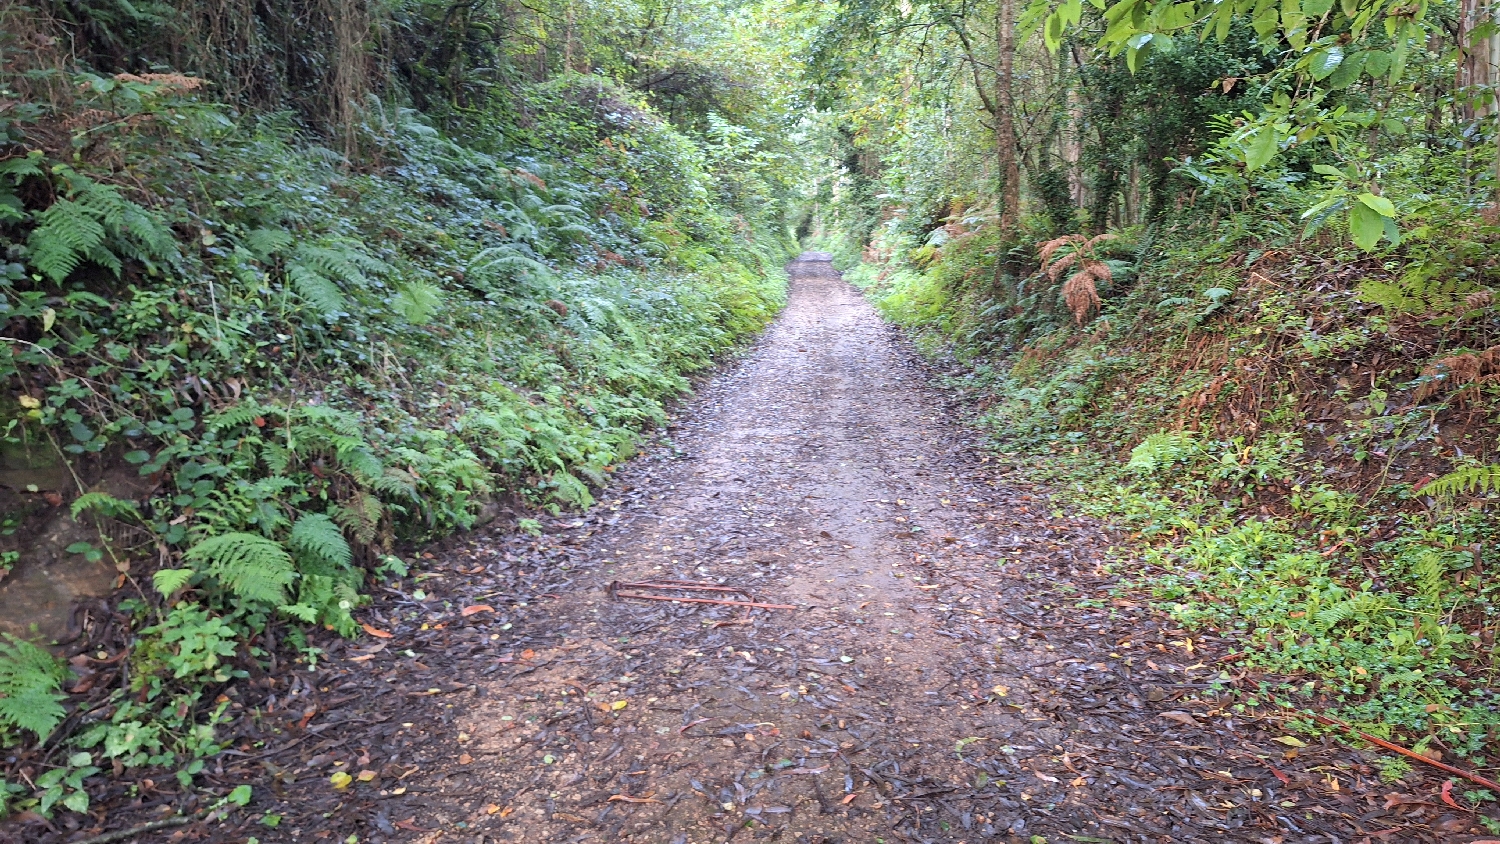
{"x":491,"y":809}
{"x":375,"y":631}
{"x":1290,"y":741}
{"x":1182,"y":718}
{"x":410,"y":825}
{"x":477,"y":608}
{"x":365,"y":776}
{"x":464,"y":759}
{"x":528,"y":654}
{"x":848,"y":798}
{"x":618,"y":705}
{"x":625,"y":798}
{"x":1446,"y":794}
{"x":341,"y":780}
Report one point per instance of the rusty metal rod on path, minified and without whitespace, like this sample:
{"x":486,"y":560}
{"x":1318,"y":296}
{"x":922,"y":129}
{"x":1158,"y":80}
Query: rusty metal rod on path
{"x":1410,"y":754}
{"x":706,"y":601}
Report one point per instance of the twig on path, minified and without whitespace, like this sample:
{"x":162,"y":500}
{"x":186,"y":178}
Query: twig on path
{"x":687,"y":585}
{"x":122,"y":834}
{"x":1410,"y":754}
{"x":706,"y":601}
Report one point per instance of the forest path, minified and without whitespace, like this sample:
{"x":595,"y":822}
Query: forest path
{"x":920,"y":691}
{"x":953,"y":668}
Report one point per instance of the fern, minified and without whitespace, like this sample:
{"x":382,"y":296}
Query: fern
{"x":30,"y":687}
{"x":360,"y":514}
{"x":168,"y":581}
{"x":95,"y":223}
{"x":106,"y":505}
{"x":265,"y":244}
{"x":1431,"y":572}
{"x":319,"y":544}
{"x":1160,"y":450}
{"x":417,"y":301}
{"x":253,"y":568}
{"x":1467,"y":480}
{"x":319,"y":291}
{"x":67,"y":232}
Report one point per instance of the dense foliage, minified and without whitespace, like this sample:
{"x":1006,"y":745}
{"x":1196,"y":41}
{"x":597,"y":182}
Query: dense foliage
{"x":290,"y":285}
{"x":1243,"y":306}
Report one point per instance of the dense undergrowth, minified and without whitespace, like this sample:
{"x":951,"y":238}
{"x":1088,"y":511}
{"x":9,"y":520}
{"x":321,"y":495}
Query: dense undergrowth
{"x":1263,"y":419}
{"x":270,"y":366}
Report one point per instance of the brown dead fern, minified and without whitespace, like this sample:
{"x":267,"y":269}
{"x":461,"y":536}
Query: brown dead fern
{"x":1081,"y":290}
{"x":1466,"y":373}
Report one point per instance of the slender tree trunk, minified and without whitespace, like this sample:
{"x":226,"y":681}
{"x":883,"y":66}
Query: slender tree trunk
{"x":1009,"y":171}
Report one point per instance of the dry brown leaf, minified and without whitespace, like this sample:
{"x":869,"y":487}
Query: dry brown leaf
{"x":376,"y":632}
{"x":477,"y":608}
{"x":625,"y":798}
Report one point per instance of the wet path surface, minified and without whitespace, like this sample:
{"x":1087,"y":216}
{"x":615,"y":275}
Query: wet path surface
{"x":954,"y":665}
{"x":935,"y":682}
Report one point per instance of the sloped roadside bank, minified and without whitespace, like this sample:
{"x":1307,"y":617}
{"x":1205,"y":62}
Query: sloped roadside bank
{"x":1091,"y":720}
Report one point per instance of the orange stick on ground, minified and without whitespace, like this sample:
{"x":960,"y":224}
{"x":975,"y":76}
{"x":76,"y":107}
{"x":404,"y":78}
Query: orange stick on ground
{"x":1410,"y":754}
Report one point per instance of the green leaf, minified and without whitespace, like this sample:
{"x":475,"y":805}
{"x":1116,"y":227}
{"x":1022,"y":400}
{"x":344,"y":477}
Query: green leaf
{"x":1325,"y":62}
{"x":240,"y":796}
{"x":1260,"y":151}
{"x":1316,"y":8}
{"x":1326,"y":170}
{"x":1378,"y":204}
{"x":1348,"y":71}
{"x":1377,"y":63}
{"x":1365,"y":226}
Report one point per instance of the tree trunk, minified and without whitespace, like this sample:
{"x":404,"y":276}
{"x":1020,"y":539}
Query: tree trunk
{"x":1008,"y":171}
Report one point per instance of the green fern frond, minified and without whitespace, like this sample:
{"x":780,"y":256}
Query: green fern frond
{"x":1431,"y":572}
{"x":360,"y":515}
{"x":331,"y":418}
{"x":168,"y":581}
{"x":253,"y":567}
{"x":30,"y":687}
{"x":106,"y":505}
{"x":265,"y":244}
{"x":359,"y":461}
{"x":241,"y":414}
{"x":319,"y":544}
{"x":1467,"y":480}
{"x":417,"y":301}
{"x":317,"y":290}
{"x":66,"y":232}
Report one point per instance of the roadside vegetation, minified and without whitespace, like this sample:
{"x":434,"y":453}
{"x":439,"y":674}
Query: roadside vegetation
{"x":1242,"y":307}
{"x":287,"y":290}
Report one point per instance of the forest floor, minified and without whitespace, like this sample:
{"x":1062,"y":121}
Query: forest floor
{"x":952,"y":663}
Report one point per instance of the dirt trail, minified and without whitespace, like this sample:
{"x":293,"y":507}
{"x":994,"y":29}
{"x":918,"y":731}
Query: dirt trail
{"x":956,"y":667}
{"x":934,"y":683}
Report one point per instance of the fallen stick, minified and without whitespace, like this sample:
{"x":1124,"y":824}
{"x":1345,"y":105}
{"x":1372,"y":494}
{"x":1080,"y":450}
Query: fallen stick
{"x":1410,"y":754}
{"x":670,"y":584}
{"x":705,"y":601}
